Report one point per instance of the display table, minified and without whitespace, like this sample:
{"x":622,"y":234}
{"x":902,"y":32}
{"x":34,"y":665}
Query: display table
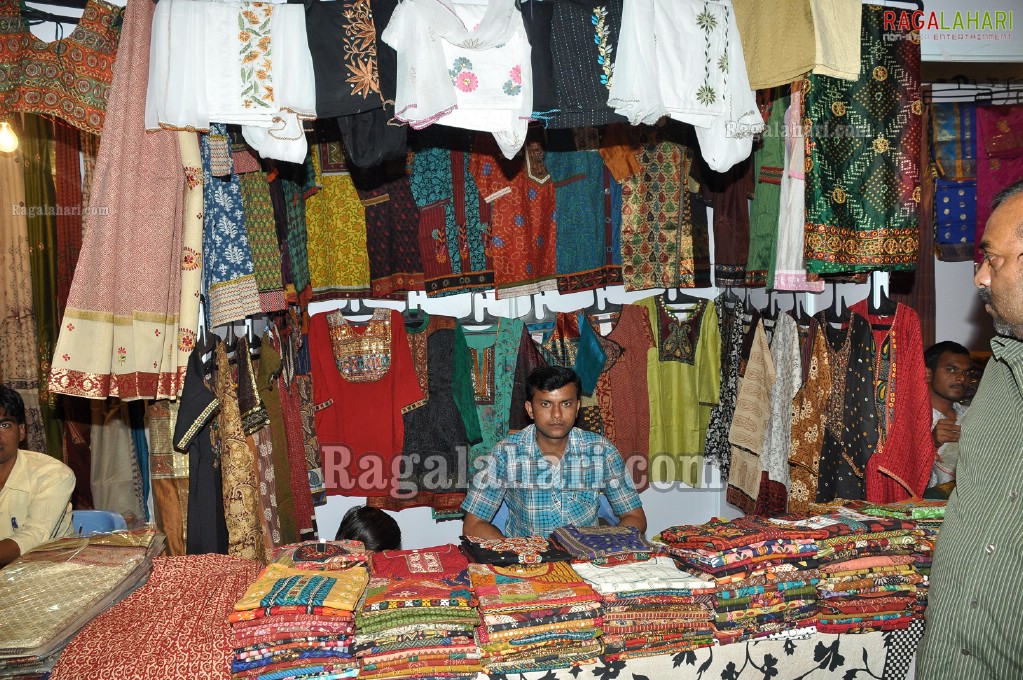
{"x":807,"y":657}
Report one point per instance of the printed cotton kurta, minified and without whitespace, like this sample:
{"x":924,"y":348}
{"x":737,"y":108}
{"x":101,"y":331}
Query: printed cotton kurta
{"x":336,"y":229}
{"x":454,"y":229}
{"x":809,"y":413}
{"x":785,"y":353}
{"x":120,"y":329}
{"x":363,"y":381}
{"x":900,"y":468}
{"x":657,"y":240}
{"x":523,"y":219}
{"x":683,"y":373}
{"x":622,"y":391}
{"x":863,"y":190}
{"x":730,"y":328}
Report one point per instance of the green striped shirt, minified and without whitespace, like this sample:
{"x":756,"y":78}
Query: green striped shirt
{"x":974,"y":614}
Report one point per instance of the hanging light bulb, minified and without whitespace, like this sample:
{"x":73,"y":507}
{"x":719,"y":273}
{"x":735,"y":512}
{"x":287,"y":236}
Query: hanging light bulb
{"x":8,"y":140}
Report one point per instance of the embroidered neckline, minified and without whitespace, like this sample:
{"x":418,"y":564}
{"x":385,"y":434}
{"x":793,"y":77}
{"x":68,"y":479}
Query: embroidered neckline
{"x":676,"y":338}
{"x":361,"y":356}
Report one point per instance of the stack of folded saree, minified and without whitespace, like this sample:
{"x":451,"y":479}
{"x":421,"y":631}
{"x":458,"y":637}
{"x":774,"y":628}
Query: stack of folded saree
{"x":651,"y":607}
{"x":603,"y":545}
{"x":48,"y":594}
{"x":871,"y":564}
{"x":764,"y":573}
{"x":418,"y":617}
{"x":297,"y":619}
{"x":535,"y":617}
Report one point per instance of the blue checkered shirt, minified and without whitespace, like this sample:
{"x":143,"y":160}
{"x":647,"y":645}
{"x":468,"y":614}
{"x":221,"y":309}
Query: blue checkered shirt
{"x":542,"y":496}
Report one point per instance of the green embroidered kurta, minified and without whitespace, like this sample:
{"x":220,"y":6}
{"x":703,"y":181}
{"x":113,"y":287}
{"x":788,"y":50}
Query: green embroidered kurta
{"x":684,"y":379}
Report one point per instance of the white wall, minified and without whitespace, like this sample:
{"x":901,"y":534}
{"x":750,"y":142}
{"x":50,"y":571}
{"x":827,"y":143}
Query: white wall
{"x":959,"y":313}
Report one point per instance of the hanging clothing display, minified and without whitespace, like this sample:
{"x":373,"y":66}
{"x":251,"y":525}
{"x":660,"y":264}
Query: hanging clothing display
{"x":862,"y":202}
{"x":298,"y":465}
{"x":729,"y":194}
{"x":587,"y":224}
{"x":692,"y":70}
{"x":229,"y":280}
{"x":621,"y":390}
{"x":444,"y":425}
{"x":809,"y":419}
{"x":363,"y":382}
{"x":241,"y":63}
{"x":464,"y":66}
{"x":19,"y":348}
{"x":454,"y":229}
{"x":717,"y":450}
{"x":168,"y":475}
{"x":191,"y":248}
{"x":764,"y":212}
{"x":392,"y":229}
{"x":683,"y":374}
{"x":850,"y":425}
{"x":656,"y":240}
{"x":206,"y":529}
{"x":270,"y":362}
{"x":42,"y":243}
{"x":260,"y":228}
{"x":953,"y":137}
{"x":999,"y":159}
{"x":239,"y":485}
{"x":523,"y":219}
{"x":900,"y":468}
{"x":785,"y":351}
{"x":68,"y":179}
{"x":118,"y":337}
{"x":748,"y":432}
{"x":777,"y":40}
{"x":85,"y":59}
{"x":336,"y":229}
{"x":583,"y":46}
{"x":788,"y":268}
{"x":499,"y":359}
{"x":836,"y":34}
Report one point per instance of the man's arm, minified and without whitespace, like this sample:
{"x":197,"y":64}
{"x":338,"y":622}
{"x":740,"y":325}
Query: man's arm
{"x":634,"y":518}
{"x":48,"y":512}
{"x":480,"y":528}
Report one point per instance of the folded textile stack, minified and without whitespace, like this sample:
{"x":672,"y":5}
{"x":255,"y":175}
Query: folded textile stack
{"x":417,"y":618}
{"x":651,"y":607}
{"x":48,"y":594}
{"x":602,"y":544}
{"x":535,"y":617}
{"x":869,"y":579}
{"x":297,"y":621}
{"x":764,"y":573}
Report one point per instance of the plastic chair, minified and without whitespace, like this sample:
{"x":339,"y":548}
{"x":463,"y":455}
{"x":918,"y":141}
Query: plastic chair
{"x":89,"y":522}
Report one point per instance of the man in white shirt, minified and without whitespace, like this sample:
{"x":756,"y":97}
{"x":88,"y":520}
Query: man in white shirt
{"x":34,"y":488}
{"x":948,"y":366}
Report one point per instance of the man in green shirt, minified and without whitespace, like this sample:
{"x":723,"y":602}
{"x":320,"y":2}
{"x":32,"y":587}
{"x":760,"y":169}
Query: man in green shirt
{"x":973,"y":615}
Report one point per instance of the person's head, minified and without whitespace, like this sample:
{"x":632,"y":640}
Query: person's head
{"x":12,"y":423}
{"x":948,"y":370}
{"x":1000,"y":276}
{"x":374,"y":527}
{"x":552,"y":400}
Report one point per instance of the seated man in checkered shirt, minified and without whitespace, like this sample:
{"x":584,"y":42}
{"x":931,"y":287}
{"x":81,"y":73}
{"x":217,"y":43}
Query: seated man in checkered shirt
{"x":550,"y":474}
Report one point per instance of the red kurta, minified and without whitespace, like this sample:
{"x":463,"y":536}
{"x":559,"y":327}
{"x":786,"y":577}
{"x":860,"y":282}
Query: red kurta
{"x":361,"y":391}
{"x":901,"y":466}
{"x":523,"y":230}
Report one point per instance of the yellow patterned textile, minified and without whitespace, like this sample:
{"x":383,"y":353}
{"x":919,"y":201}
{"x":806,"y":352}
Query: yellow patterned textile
{"x":282,"y":586}
{"x":336,"y":230}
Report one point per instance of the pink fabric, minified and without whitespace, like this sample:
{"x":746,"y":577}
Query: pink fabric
{"x":999,"y":158}
{"x":869,"y":562}
{"x":119,"y":334}
{"x":173,"y":628}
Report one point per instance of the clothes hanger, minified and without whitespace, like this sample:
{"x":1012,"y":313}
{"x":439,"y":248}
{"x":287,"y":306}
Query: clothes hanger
{"x":601,"y":306}
{"x":483,"y":318}
{"x":799,"y":312}
{"x":838,"y":312}
{"x":885,"y":306}
{"x":770,"y":310}
{"x":537,"y":311}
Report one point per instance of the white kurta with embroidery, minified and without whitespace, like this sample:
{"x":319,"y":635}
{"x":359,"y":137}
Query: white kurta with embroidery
{"x":465,"y":66}
{"x":685,"y":60}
